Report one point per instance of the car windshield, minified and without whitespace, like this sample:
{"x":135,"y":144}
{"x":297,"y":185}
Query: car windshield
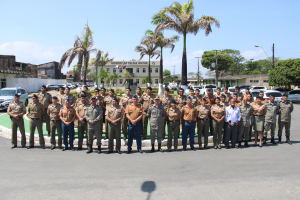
{"x":231,"y":90}
{"x":275,"y":94}
{"x":244,"y":86}
{"x":210,"y":86}
{"x":258,"y":88}
{"x":7,"y":92}
{"x":255,"y":94}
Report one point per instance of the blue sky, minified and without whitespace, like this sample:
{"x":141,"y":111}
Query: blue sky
{"x":41,"y":31}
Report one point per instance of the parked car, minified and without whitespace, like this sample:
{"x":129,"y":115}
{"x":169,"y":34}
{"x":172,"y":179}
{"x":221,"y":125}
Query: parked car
{"x":173,"y":86}
{"x":242,"y":87}
{"x":52,"y":87}
{"x":197,"y":87}
{"x":205,"y":87}
{"x":294,"y":96}
{"x":297,"y":87}
{"x":282,"y":89}
{"x":7,"y":96}
{"x":258,"y":88}
{"x":276,"y":94}
{"x":254,"y":94}
{"x":166,"y":84}
{"x":90,"y":84}
{"x":231,"y":90}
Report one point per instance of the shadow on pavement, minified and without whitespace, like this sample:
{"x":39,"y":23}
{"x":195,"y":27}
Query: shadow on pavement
{"x":149,"y":187}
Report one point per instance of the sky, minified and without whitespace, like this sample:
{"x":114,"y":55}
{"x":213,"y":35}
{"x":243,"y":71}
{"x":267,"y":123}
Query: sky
{"x":41,"y":31}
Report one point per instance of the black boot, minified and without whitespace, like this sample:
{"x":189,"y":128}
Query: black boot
{"x":152,"y":149}
{"x":99,"y":149}
{"x":288,"y":140}
{"x":273,"y":140}
{"x":90,"y":149}
{"x":246,"y":144}
{"x":239,"y":145}
{"x":159,"y":148}
{"x":264,"y":140}
{"x":279,"y":139}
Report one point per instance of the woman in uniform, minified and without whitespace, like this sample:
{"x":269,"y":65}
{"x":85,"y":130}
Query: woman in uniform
{"x":173,"y":119}
{"x":259,"y":112}
{"x":218,"y":115}
{"x":203,"y":123}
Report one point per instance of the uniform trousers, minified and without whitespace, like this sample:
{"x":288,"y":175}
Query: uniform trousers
{"x":137,"y":128}
{"x":82,"y":129}
{"x":114,"y":132}
{"x":269,"y":125}
{"x":36,"y":123}
{"x":102,"y":121}
{"x":94,"y":131}
{"x":164,"y":127}
{"x":188,"y":128}
{"x":287,"y":128}
{"x":231,"y":133}
{"x":243,"y":133}
{"x":47,"y":120}
{"x":124,"y":126}
{"x":211,"y":126}
{"x":224,"y":129}
{"x":217,"y":132}
{"x":15,"y":123}
{"x":68,"y":131}
{"x":56,"y":125}
{"x":145,"y":125}
{"x":159,"y":132}
{"x":203,"y":126}
{"x":173,"y":130}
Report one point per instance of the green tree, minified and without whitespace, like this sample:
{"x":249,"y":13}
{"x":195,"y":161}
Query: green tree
{"x":210,"y":73}
{"x":170,"y":79}
{"x":82,"y":50}
{"x":238,"y":59}
{"x":224,"y":61}
{"x":114,"y":78}
{"x":104,"y":75}
{"x":194,"y":74}
{"x":127,"y":76}
{"x":181,"y":19}
{"x":102,"y":62}
{"x":167,"y":72}
{"x":285,"y":73}
{"x":145,"y":80}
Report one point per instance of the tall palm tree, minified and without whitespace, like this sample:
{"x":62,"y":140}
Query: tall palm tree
{"x":181,"y":19}
{"x":148,"y":47}
{"x":127,"y":76}
{"x":82,"y":50}
{"x":161,"y":42}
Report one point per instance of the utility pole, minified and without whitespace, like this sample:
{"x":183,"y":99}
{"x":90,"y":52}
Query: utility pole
{"x":273,"y":56}
{"x":216,"y":66}
{"x":198,"y":81}
{"x":174,"y":71}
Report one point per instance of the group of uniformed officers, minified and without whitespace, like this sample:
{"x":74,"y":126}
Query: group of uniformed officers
{"x":233,"y":115}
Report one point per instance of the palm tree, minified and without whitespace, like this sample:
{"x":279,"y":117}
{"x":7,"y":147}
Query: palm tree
{"x":127,"y":76}
{"x":161,"y":42}
{"x":82,"y":50}
{"x":148,"y":47}
{"x":114,"y":78}
{"x":181,"y":19}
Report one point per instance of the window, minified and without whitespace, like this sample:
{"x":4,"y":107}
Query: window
{"x":121,"y":81}
{"x":254,"y":81}
{"x":120,"y":70}
{"x":144,"y":70}
{"x":114,"y":70}
{"x":3,"y":83}
{"x":150,"y":69}
{"x":137,"y":70}
{"x":156,"y":70}
{"x":23,"y":91}
{"x":156,"y":81}
{"x":107,"y":69}
{"x":137,"y":81}
{"x":265,"y":81}
{"x":275,"y":94}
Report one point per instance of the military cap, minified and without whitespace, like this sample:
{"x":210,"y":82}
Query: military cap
{"x":35,"y":96}
{"x":83,"y":95}
{"x":188,"y":97}
{"x":285,"y":95}
{"x":173,"y":101}
{"x":112,"y":90}
{"x":43,"y":86}
{"x":150,"y":88}
{"x":115,"y":98}
{"x":167,"y":89}
{"x":135,"y":96}
{"x":16,"y":95}
{"x":54,"y":97}
{"x":156,"y":98}
{"x":235,"y":93}
{"x":208,"y":89}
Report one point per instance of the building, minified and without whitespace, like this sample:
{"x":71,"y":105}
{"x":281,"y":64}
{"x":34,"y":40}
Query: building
{"x":137,"y":69}
{"x":50,"y":70}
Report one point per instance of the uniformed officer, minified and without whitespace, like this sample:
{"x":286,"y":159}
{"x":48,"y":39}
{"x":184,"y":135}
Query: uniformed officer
{"x":16,"y":110}
{"x":180,"y":101}
{"x":72,"y":99}
{"x":218,"y":115}
{"x":245,"y":122}
{"x":103,"y":106}
{"x":250,"y":102}
{"x":189,"y":115}
{"x":67,"y":116}
{"x":166,"y":103}
{"x":173,"y":119}
{"x":210,"y":101}
{"x":246,"y":92}
{"x":194,"y":98}
{"x":35,"y":112}
{"x":228,"y":96}
{"x":55,"y":122}
{"x":236,"y":101}
{"x":140,"y":101}
{"x":60,"y":94}
{"x":270,"y":119}
{"x":239,"y":94}
{"x":114,"y":115}
{"x":99,"y":99}
{"x":259,"y":112}
{"x":134,"y":113}
{"x":45,"y":99}
{"x":85,"y":89}
{"x":148,"y":100}
{"x":199,"y":97}
{"x":156,"y":113}
{"x":82,"y":123}
{"x":225,"y":105}
{"x":107,"y":100}
{"x":284,"y":119}
{"x":203,"y":122}
{"x":126,"y":100}
{"x":93,"y":115}
{"x":218,"y":93}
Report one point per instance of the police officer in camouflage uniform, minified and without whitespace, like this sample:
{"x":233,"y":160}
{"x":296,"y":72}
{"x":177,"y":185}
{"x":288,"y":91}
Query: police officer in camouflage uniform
{"x":173,"y":119}
{"x":16,"y":110}
{"x":284,"y":119}
{"x":156,"y":113}
{"x":108,"y":100}
{"x":181,"y":101}
{"x":60,"y":94}
{"x":244,"y":124}
{"x":85,"y":89}
{"x":270,"y":119}
{"x":148,"y":100}
{"x":126,"y":100}
{"x":166,"y":103}
{"x":45,"y":99}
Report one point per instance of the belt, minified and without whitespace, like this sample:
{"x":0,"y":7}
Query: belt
{"x":56,"y":120}
{"x":174,"y":121}
{"x":189,"y":121}
{"x":35,"y":118}
{"x":203,"y":119}
{"x":258,"y":115}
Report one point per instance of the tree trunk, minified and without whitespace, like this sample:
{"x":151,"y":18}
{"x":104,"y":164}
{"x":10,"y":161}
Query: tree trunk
{"x":184,"y":66}
{"x":149,"y":74}
{"x":84,"y":70}
{"x":160,"y":87}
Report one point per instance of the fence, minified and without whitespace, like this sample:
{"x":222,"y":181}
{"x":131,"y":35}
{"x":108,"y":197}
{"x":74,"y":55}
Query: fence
{"x":34,"y":84}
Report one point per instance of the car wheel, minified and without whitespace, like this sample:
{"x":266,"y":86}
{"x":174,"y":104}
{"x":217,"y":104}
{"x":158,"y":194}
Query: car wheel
{"x":26,"y":103}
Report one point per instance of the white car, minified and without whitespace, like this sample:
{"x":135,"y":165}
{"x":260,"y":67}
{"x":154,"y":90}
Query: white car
{"x":231,"y":90}
{"x":7,"y":96}
{"x":173,"y":86}
{"x":258,"y":88}
{"x":294,"y":95}
{"x":205,"y":87}
{"x":276,"y":94}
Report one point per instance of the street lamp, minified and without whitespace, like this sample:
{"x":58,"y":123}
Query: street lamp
{"x":262,"y":49}
{"x":267,"y":54}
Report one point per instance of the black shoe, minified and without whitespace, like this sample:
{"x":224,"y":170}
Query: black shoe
{"x":226,"y":147}
{"x":48,"y":134}
{"x":246,"y":144}
{"x":72,"y":149}
{"x":109,"y":152}
{"x":30,"y":147}
{"x":193,"y":149}
{"x":90,"y":149}
{"x":184,"y":149}
{"x":23,"y":146}
{"x":206,"y":147}
{"x":152,"y":149}
{"x":273,"y":140}
{"x":129,"y":151}
{"x":141,"y":151}
{"x":43,"y":147}
{"x":119,"y":152}
{"x":169,"y":150}
{"x":264,"y":140}
{"x":159,"y":148}
{"x":52,"y":148}
{"x":279,"y":139}
{"x":239,"y":145}
{"x":79,"y":148}
{"x":99,"y":149}
{"x":288,"y":140}
{"x":64,"y":149}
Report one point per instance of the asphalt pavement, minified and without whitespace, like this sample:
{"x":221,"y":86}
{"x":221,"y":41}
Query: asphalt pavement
{"x":271,"y":172}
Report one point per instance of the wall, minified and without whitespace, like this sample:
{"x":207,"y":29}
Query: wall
{"x":34,"y":84}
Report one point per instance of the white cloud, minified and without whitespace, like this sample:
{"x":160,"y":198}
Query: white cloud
{"x":256,"y":55}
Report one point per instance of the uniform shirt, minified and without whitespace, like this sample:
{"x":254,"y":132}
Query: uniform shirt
{"x":127,"y":100}
{"x":262,"y":101}
{"x":173,"y":114}
{"x":228,"y":97}
{"x":134,"y":111}
{"x":16,"y":108}
{"x":218,"y":95}
{"x":88,"y":96}
{"x":237,"y":103}
{"x":99,"y":100}
{"x":258,"y":109}
{"x":93,"y":113}
{"x":53,"y":111}
{"x":199,"y":99}
{"x":210,"y":100}
{"x":272,"y":112}
{"x":35,"y":110}
{"x":189,"y":113}
{"x":180,"y":101}
{"x":148,"y":101}
{"x":103,"y":100}
{"x":114,"y":112}
{"x":71,"y":98}
{"x":59,"y":97}
{"x":225,"y":104}
{"x":250,"y":102}
{"x":203,"y":112}
{"x":232,"y":115}
{"x":108,"y":101}
{"x":194,"y":101}
{"x":218,"y":111}
{"x":246,"y":115}
{"x":140,"y":99}
{"x":81,"y":108}
{"x":285,"y":110}
{"x":45,"y":99}
{"x":166,"y":102}
{"x":156,"y":114}
{"x":67,"y":114}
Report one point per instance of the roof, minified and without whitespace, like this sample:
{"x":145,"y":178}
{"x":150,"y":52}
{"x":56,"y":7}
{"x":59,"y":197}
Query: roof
{"x":42,"y":75}
{"x":70,"y":72}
